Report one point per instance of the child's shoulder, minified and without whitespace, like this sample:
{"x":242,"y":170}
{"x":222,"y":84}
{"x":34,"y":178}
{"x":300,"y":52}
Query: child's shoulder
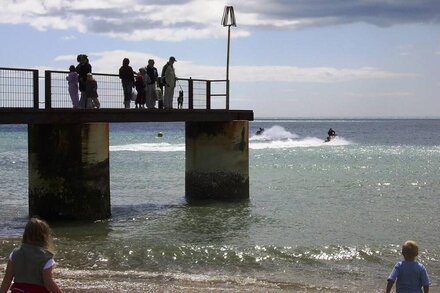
{"x":35,"y":249}
{"x":410,"y":263}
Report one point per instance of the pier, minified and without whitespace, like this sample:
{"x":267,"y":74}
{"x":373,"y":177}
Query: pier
{"x":68,"y":149}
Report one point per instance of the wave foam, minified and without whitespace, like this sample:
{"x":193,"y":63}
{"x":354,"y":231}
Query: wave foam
{"x":276,"y":137}
{"x":274,"y":133}
{"x":296,"y":143}
{"x":149,"y":147}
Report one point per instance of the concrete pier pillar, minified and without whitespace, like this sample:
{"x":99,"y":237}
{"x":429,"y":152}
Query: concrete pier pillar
{"x":217,"y":161}
{"x":69,"y":176}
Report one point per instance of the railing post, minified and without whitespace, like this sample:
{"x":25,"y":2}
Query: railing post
{"x":190,"y":94}
{"x":48,"y":89}
{"x":208,"y":95}
{"x":35,"y":88}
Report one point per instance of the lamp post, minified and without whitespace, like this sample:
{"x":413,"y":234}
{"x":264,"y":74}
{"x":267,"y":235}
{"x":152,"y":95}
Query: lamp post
{"x":228,"y":20}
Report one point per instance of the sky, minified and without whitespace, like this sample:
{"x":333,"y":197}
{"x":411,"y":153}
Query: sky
{"x":288,"y":58}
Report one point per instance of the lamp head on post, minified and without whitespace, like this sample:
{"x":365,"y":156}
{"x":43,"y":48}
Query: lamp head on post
{"x":228,"y":20}
{"x":228,"y":16}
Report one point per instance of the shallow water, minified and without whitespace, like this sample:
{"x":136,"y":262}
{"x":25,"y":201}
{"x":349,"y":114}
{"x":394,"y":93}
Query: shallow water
{"x":326,"y":217}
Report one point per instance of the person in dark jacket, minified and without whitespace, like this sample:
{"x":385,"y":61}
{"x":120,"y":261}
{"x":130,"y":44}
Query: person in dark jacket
{"x":92,"y":92}
{"x":126,"y":75}
{"x":150,"y":87}
{"x":82,"y":69}
{"x":331,"y":135}
{"x":331,"y":132}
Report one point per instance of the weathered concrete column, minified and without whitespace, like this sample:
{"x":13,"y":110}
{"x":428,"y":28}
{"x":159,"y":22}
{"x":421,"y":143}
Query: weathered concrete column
{"x":69,"y":175}
{"x":217,"y":160}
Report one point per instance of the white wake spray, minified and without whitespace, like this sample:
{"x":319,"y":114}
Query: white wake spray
{"x":275,"y":137}
{"x":149,"y":147}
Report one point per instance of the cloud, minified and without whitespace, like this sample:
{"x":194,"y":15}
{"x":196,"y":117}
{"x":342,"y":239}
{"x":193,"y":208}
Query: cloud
{"x":69,"y":38}
{"x":380,"y":95}
{"x":177,"y":20}
{"x":324,"y":12}
{"x":110,"y":61}
{"x":310,"y":74}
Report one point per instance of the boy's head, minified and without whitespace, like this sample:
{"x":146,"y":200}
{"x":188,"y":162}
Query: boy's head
{"x":410,"y":250}
{"x":89,"y":76}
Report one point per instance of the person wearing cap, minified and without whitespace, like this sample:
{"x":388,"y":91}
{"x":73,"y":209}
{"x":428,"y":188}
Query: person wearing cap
{"x":169,"y":79}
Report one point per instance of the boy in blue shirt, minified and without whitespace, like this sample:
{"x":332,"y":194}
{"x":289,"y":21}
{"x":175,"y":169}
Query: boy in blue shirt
{"x":411,"y":275}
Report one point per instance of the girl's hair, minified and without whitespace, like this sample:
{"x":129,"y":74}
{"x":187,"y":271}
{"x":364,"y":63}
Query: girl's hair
{"x":410,"y":249}
{"x":72,"y":68}
{"x":37,"y":232}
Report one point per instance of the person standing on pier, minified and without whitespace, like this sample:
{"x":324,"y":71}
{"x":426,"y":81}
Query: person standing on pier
{"x":92,"y":92}
{"x":72,"y":81}
{"x":140,"y":88}
{"x":126,"y":75}
{"x":83,"y":68}
{"x":169,"y":80}
{"x":150,"y":87}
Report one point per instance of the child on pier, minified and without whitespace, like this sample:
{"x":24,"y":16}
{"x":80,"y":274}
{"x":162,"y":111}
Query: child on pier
{"x":411,"y":275}
{"x":72,"y":81}
{"x":91,"y":92}
{"x":140,"y":88}
{"x":30,"y":266}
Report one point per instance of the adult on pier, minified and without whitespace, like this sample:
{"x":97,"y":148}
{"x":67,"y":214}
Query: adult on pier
{"x":83,"y":68}
{"x":126,"y":75}
{"x":150,"y":87}
{"x":169,"y":80}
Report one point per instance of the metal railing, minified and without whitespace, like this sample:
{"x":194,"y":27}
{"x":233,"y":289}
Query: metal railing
{"x":19,"y":88}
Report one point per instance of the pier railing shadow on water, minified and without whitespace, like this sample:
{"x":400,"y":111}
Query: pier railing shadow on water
{"x":21,"y":88}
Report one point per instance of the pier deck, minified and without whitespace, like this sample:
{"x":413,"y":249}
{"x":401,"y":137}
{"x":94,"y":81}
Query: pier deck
{"x":64,"y":116}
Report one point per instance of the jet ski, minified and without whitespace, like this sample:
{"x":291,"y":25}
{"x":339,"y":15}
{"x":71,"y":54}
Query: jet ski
{"x":259,"y":131}
{"x":331,"y":134}
{"x":330,"y":138}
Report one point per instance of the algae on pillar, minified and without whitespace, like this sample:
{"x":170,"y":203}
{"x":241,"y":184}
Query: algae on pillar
{"x":69,"y":175}
{"x":217,"y":160}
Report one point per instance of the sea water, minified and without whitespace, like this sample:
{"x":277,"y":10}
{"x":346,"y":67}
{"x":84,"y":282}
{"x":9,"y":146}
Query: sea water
{"x":327,"y":217}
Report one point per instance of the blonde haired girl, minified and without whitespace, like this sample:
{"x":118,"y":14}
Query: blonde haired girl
{"x":30,"y":266}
